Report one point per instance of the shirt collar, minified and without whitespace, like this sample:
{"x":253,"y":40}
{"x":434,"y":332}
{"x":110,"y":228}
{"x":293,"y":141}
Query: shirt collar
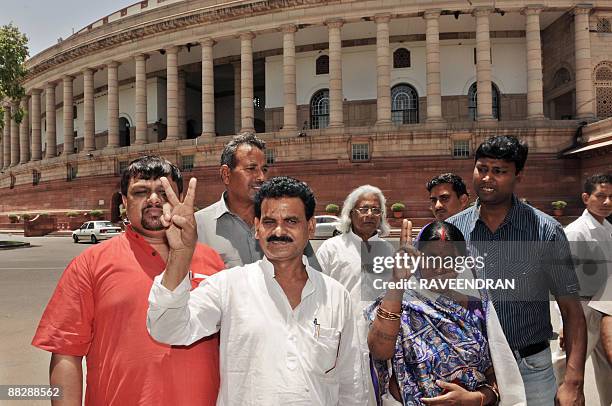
{"x":515,"y":213}
{"x":131,"y":234}
{"x":138,"y":241}
{"x":221,"y":207}
{"x":309,"y":288}
{"x":592,"y":222}
{"x":268,"y":268}
{"x":357,"y":239}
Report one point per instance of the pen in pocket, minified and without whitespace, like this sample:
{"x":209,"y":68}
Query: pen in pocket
{"x":317,"y":328}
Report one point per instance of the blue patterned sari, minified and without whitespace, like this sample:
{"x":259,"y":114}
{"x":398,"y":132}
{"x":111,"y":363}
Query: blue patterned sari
{"x":438,"y":340}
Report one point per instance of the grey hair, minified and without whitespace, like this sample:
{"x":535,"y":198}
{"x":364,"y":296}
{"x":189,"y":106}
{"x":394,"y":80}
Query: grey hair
{"x":349,"y":204}
{"x":228,"y":156}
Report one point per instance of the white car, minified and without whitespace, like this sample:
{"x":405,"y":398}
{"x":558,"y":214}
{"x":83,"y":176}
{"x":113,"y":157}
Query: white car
{"x":326,"y":226}
{"x":95,"y":231}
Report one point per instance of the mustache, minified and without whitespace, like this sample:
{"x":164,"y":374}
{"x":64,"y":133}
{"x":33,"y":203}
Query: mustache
{"x":151,"y":206}
{"x":282,"y":238}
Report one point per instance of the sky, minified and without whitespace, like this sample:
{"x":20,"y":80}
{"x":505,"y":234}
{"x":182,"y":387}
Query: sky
{"x":44,"y":21}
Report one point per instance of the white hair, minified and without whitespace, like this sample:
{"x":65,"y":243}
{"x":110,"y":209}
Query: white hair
{"x":349,"y":204}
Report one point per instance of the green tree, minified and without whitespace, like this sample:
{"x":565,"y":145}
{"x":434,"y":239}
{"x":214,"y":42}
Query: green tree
{"x":13,"y":53}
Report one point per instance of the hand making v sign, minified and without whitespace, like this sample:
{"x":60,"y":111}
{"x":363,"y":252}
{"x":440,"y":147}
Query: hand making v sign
{"x":181,"y":232}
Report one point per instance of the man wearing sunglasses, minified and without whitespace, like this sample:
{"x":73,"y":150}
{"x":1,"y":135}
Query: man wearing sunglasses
{"x":347,"y":256}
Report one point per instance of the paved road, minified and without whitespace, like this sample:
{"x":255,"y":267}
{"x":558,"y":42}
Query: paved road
{"x":27,"y":279}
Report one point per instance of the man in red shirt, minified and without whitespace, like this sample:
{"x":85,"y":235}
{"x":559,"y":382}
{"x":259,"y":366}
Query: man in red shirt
{"x":99,"y":308}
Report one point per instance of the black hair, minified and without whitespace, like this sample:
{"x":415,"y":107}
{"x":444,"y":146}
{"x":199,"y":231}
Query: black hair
{"x":590,"y":184}
{"x":504,"y":147}
{"x":449,"y":178}
{"x":228,"y":156}
{"x":150,"y":167}
{"x":285,"y":186}
{"x":442,"y":231}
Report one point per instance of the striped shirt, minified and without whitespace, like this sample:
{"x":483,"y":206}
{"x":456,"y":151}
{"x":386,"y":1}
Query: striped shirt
{"x":531,"y":248}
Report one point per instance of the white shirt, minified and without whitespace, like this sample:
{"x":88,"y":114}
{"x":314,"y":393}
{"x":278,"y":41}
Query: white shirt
{"x":592,"y":241}
{"x":270,"y":354}
{"x":598,"y":247}
{"x":340,"y":258}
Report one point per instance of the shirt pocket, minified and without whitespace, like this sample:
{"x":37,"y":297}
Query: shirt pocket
{"x":326,"y":347}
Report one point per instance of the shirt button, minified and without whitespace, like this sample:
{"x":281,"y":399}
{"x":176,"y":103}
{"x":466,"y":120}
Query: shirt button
{"x":292,"y":338}
{"x":306,"y":390}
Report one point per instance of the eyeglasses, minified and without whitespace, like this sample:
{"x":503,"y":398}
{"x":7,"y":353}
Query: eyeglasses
{"x":376,"y":211}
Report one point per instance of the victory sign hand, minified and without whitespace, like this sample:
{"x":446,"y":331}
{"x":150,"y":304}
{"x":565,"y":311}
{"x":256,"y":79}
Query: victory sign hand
{"x":405,"y":248}
{"x":181,"y":230}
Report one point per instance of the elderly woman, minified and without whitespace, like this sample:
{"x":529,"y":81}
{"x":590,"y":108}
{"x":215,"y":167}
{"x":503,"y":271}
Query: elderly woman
{"x":445,"y":347}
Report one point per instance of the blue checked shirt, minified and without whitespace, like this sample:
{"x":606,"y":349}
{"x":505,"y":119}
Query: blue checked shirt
{"x":531,"y":248}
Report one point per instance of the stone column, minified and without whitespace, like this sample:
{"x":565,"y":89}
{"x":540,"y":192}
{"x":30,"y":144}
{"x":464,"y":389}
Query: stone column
{"x":180,"y":105}
{"x":112,"y":112}
{"x":172,"y":93}
{"x":2,"y":147}
{"x":535,"y":98}
{"x":434,"y":88}
{"x":6,"y":144}
{"x":483,"y":65}
{"x":51,"y":150}
{"x":36,"y":141}
{"x":89,"y":114}
{"x":68,"y":115}
{"x":289,"y":77}
{"x":208,"y":89}
{"x":14,"y":135}
{"x":237,"y":100}
{"x":336,"y":118}
{"x":247,"y":111}
{"x":24,"y":133}
{"x":582,"y":45}
{"x":141,"y":99}
{"x":383,"y":70}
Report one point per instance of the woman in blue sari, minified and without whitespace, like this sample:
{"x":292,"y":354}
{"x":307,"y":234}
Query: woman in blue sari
{"x":436,"y":340}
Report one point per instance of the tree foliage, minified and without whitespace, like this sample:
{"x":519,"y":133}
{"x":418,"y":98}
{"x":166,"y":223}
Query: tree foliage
{"x":13,"y":53}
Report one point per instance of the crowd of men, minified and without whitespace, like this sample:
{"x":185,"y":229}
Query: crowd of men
{"x":231,"y":305}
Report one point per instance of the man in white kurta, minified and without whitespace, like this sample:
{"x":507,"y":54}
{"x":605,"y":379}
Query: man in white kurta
{"x":287,"y":333}
{"x":349,"y":255}
{"x":590,"y":239}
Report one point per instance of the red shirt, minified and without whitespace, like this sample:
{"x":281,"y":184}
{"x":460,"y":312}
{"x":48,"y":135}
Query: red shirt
{"x":99,"y":310}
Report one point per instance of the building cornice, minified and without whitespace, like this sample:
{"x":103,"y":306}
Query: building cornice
{"x":211,"y":14}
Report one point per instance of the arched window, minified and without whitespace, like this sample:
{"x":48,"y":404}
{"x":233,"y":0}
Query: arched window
{"x":473,"y":100}
{"x":603,"y":89}
{"x":319,"y":109}
{"x":322,"y":65}
{"x":404,"y":104}
{"x":401,"y":58}
{"x":562,"y":76}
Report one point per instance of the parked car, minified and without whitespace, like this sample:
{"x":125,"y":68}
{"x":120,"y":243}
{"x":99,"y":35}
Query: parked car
{"x":95,"y":231}
{"x":326,"y":226}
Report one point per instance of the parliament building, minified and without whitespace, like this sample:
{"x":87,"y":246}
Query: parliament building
{"x":344,"y":92}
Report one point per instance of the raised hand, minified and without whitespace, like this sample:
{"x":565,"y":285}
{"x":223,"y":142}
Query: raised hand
{"x":181,"y":230}
{"x":181,"y":233}
{"x":405,"y":247}
{"x":406,"y":234}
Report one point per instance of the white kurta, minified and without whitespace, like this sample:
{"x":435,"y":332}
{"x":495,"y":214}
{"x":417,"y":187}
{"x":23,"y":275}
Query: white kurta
{"x":270,"y":354}
{"x":340,"y":257}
